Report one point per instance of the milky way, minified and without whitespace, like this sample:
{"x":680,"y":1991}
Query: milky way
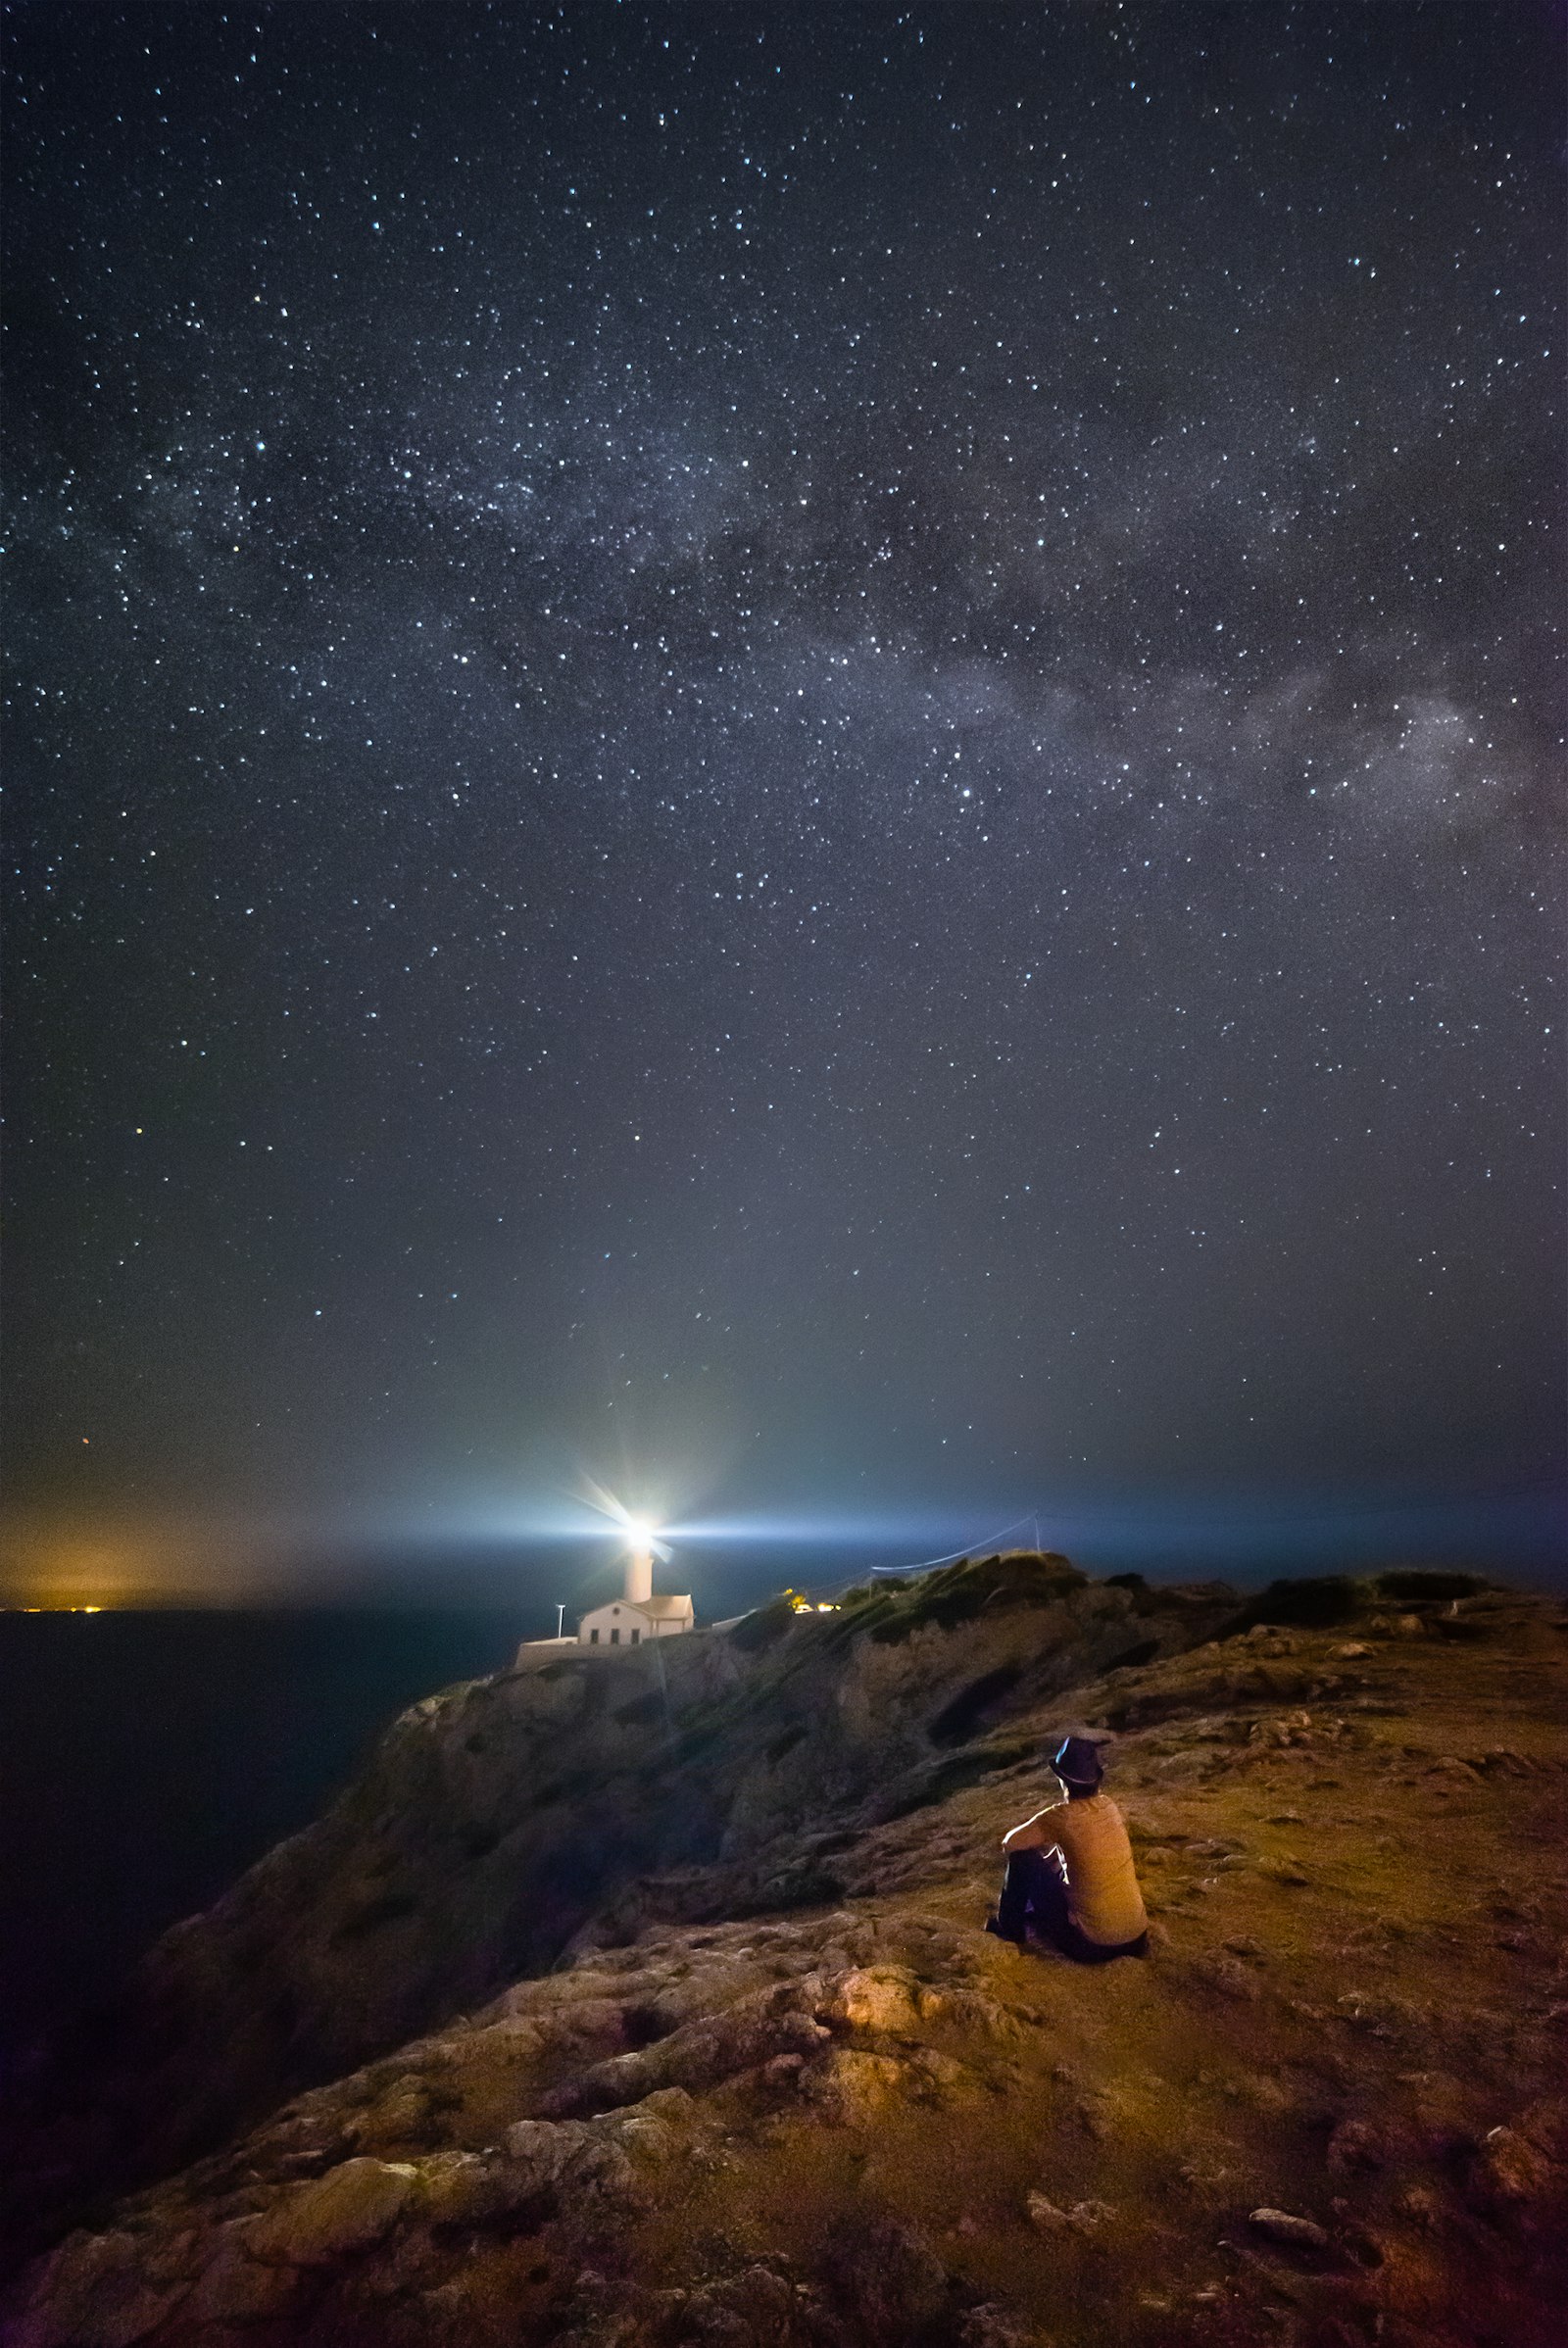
{"x":811,"y":750}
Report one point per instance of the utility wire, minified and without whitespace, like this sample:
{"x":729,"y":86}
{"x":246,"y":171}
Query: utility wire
{"x":927,"y":1564}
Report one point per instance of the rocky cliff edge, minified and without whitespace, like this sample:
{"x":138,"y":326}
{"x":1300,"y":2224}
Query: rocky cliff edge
{"x":776,"y":2087}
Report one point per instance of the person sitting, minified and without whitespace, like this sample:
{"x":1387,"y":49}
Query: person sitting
{"x":1070,"y":1877}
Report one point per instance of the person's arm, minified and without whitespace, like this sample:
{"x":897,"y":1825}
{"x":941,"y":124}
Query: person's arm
{"x":1035,"y":1833}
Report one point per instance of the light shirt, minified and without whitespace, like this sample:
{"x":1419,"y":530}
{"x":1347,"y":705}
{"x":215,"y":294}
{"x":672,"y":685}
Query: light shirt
{"x":1102,"y":1895}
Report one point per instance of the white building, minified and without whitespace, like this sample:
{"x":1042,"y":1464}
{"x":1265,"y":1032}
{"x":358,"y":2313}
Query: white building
{"x":636,"y":1615}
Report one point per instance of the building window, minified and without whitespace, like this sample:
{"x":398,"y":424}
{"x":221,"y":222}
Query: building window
{"x":593,"y":1639}
{"x":614,"y":1638}
{"x":635,"y":1636}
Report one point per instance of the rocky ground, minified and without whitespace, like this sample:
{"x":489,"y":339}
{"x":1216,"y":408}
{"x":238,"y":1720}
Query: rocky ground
{"x":782,"y":2089}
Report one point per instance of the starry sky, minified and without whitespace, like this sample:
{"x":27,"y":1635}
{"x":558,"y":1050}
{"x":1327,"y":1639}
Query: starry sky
{"x":808,"y":757}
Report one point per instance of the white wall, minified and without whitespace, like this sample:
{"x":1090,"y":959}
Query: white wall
{"x":627,"y":1619}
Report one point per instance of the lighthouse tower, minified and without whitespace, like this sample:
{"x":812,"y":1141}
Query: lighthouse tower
{"x":637,"y":1616}
{"x":639,"y":1569}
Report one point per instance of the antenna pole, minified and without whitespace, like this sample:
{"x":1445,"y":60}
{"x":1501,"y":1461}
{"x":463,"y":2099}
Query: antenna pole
{"x":560,"y":1621}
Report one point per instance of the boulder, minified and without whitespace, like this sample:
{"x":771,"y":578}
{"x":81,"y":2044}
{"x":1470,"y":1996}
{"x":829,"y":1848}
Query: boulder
{"x":1510,"y":2171}
{"x":849,"y":2086}
{"x":351,"y":2207}
{"x":236,"y":2289}
{"x":882,"y":1998}
{"x":1281,"y":2226}
{"x":1081,"y":2217}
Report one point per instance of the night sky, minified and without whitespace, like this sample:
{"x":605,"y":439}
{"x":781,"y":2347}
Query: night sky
{"x":805,"y":756}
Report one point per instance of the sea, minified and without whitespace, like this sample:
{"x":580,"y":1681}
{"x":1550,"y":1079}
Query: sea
{"x":148,"y":1756}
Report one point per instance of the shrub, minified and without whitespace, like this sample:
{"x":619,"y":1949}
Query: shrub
{"x":1314,"y":1604}
{"x":1413,"y":1582}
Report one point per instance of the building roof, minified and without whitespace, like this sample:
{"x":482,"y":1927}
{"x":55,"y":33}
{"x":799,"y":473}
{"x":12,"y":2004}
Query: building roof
{"x":661,"y":1609}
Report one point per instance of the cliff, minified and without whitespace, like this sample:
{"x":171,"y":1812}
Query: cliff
{"x":642,"y":1999}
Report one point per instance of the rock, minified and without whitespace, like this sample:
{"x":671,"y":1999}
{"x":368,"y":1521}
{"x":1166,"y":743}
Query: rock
{"x":401,"y":2115}
{"x":1226,"y":1974}
{"x":450,"y":2187}
{"x":941,"y":2079}
{"x":236,"y":2289}
{"x":894,"y":2287}
{"x":1511,"y":2171}
{"x":1356,"y":2144}
{"x":1421,"y":2206}
{"x":739,"y":2038}
{"x":644,"y":2134}
{"x":748,"y":2310}
{"x":457,"y":2189}
{"x":1083,"y":2217}
{"x":343,"y":2212}
{"x":851,"y":2087}
{"x":1086,"y":2216}
{"x":543,"y":2150}
{"x":1352,"y":1651}
{"x":1353,"y":2237}
{"x":94,"y":2294}
{"x":973,"y":2009}
{"x":1279,"y":2226}
{"x":875,"y":1997}
{"x":995,"y":2328}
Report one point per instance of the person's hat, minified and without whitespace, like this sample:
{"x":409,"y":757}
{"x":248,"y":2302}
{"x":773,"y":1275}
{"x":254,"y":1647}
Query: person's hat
{"x":1076,"y":1761}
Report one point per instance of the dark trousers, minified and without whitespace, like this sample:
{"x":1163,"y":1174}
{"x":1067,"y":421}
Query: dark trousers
{"x":1034,"y":1900}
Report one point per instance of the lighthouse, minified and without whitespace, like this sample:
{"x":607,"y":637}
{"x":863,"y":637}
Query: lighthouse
{"x":639,"y":1568}
{"x":637,"y":1615}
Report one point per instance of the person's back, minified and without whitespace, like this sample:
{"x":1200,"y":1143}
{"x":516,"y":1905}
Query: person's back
{"x":1102,"y":1895}
{"x":1070,"y":1877}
